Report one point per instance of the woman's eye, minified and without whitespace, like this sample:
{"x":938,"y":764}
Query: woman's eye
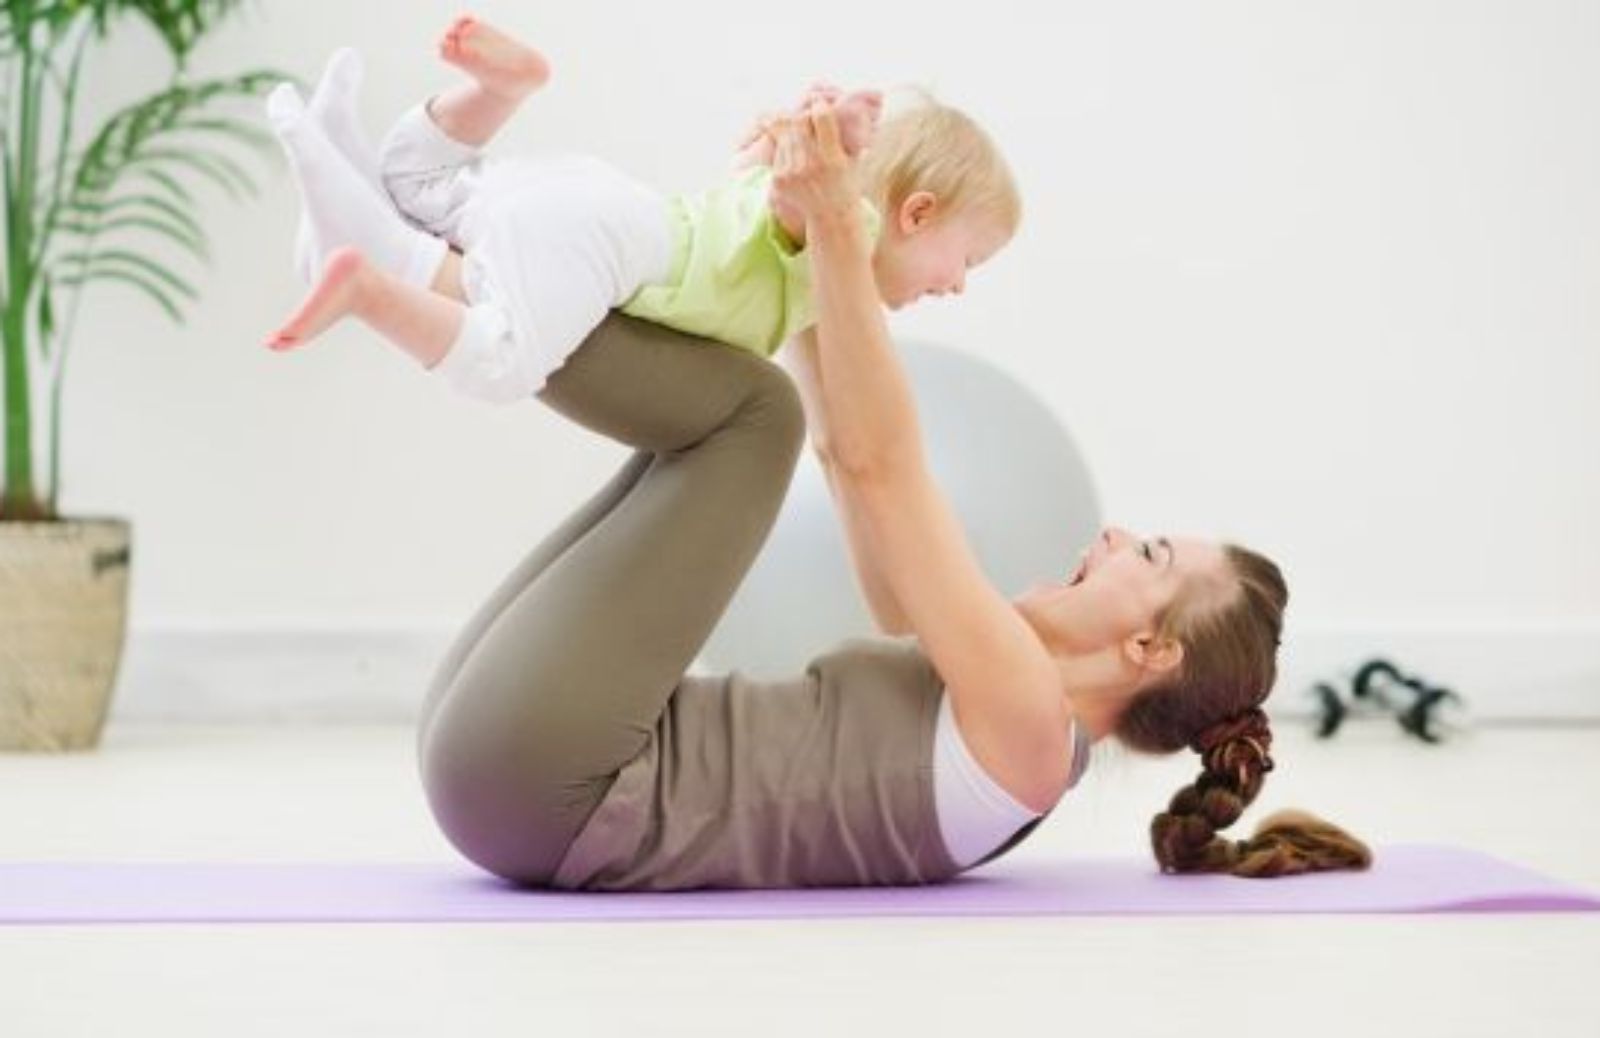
{"x":1144,"y":549}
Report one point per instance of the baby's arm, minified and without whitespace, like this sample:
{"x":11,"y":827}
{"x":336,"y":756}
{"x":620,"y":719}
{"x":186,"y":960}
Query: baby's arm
{"x":756,"y":150}
{"x":756,"y":147}
{"x":858,"y":119}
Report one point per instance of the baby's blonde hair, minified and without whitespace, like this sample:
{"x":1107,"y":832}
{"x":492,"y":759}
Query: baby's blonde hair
{"x":930,"y":146}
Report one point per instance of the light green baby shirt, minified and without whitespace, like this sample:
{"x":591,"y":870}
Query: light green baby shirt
{"x":735,"y":276}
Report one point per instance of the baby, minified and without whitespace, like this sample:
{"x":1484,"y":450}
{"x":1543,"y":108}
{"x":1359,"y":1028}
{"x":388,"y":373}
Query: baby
{"x":550,"y":245}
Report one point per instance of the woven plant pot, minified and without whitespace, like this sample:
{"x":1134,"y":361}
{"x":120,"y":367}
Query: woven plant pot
{"x":63,"y":615}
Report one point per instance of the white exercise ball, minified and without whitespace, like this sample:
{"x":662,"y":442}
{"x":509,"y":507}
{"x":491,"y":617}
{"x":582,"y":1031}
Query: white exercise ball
{"x":1017,"y":483}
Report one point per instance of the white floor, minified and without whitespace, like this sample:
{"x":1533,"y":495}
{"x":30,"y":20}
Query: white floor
{"x":332,"y":793}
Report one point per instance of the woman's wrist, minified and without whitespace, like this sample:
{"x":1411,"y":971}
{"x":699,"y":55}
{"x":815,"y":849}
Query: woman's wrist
{"x":837,"y":225}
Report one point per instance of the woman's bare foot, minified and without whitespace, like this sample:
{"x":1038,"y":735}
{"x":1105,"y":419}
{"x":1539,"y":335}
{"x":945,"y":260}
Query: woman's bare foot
{"x":500,"y":64}
{"x":336,"y":295}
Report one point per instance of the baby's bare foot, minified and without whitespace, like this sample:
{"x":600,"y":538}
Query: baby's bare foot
{"x":335,"y":296}
{"x":500,"y":64}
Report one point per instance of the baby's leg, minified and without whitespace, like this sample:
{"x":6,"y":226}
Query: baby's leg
{"x":430,"y":176}
{"x":470,"y":347}
{"x":420,"y":321}
{"x":341,"y":205}
{"x":333,"y":109}
{"x":504,"y":71}
{"x":430,"y":162}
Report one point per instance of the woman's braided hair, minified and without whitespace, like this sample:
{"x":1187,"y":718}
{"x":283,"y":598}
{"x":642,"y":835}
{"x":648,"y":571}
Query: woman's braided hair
{"x":1213,"y":706}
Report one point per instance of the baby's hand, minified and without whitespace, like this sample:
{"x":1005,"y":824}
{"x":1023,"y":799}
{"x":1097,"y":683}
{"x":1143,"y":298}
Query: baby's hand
{"x":755,"y":146}
{"x":857,"y":112}
{"x":811,"y":174}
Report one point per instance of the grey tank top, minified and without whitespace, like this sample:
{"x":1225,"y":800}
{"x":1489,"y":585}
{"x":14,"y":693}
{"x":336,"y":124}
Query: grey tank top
{"x":821,"y":780}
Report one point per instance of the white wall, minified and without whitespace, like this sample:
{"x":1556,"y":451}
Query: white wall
{"x":1322,"y":277}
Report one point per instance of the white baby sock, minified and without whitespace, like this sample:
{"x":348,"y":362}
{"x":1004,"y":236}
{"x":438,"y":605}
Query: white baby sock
{"x":333,"y":107}
{"x":342,"y":208}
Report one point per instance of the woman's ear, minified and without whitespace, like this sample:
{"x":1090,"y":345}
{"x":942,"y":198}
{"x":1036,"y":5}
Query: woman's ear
{"x":917,"y":211}
{"x":1148,"y":651}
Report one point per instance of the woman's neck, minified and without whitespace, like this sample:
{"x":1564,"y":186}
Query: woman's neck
{"x":1098,"y":687}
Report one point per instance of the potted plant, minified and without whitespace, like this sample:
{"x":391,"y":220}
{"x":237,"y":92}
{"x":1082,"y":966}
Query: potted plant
{"x":74,"y":218}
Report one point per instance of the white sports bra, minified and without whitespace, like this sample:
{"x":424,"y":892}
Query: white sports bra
{"x":975,"y":814}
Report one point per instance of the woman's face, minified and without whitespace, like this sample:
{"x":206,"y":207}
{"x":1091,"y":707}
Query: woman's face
{"x":1120,"y":587}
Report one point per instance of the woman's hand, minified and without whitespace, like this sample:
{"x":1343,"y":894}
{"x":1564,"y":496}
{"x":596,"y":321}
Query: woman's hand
{"x":811,"y":174}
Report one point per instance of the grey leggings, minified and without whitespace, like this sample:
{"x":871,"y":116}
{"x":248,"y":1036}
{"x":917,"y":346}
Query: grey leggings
{"x":559,"y":678}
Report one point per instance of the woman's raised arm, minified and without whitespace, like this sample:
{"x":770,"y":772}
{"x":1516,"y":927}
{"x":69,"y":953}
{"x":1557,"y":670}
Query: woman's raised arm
{"x":1002,"y":681}
{"x":800,"y":358}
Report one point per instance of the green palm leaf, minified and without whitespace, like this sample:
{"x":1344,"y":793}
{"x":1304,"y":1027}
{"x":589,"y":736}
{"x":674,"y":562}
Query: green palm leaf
{"x":159,"y":140}
{"x":179,"y":23}
{"x":147,"y":206}
{"x":185,"y":239}
{"x":83,"y":268}
{"x":152,"y":290}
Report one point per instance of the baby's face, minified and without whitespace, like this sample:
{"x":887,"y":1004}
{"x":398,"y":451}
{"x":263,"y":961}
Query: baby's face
{"x":913,"y":260}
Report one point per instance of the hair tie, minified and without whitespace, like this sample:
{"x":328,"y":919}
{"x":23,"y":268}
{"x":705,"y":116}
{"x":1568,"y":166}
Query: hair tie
{"x":1249,"y":730}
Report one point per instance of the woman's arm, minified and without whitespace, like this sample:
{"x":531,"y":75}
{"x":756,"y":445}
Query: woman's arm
{"x":800,"y":358}
{"x":1002,"y":681}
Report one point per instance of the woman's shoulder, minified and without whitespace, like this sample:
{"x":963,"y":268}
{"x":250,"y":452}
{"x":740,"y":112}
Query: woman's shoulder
{"x":1035,"y":765}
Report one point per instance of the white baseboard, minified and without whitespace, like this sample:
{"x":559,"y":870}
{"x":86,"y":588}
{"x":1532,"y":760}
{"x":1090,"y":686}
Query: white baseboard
{"x":294,"y":673}
{"x":205,"y":672}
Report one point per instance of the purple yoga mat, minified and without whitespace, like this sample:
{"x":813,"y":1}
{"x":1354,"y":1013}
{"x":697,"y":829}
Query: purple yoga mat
{"x":1411,"y":878}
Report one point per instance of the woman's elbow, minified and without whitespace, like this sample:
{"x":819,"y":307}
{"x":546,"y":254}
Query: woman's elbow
{"x":821,"y":448}
{"x":827,"y":452}
{"x":870,"y":462}
{"x":857,"y":466}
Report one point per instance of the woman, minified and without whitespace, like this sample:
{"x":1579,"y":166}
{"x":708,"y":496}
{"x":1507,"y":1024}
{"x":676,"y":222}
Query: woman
{"x":563,"y":745}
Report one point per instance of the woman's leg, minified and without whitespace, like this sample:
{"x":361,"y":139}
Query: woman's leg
{"x":563,"y":674}
{"x":554,"y":544}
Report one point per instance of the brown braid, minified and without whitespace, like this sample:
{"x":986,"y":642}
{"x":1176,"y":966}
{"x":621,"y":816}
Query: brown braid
{"x":1235,"y":754}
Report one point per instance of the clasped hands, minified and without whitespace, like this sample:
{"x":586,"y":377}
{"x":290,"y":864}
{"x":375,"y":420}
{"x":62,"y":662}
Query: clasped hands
{"x":813,"y":177}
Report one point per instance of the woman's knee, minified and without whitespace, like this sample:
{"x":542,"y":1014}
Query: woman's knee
{"x":509,"y":806}
{"x":774,"y":403}
{"x":504,"y":831}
